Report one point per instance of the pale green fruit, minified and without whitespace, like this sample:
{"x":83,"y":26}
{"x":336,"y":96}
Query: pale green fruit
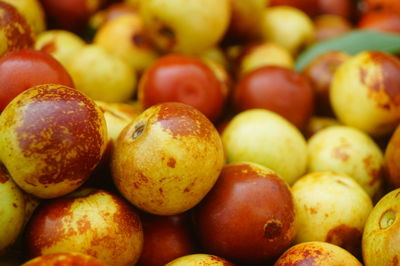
{"x":199,"y":260}
{"x":287,"y":26}
{"x":12,"y":211}
{"x":188,"y":26}
{"x":125,"y":37}
{"x":61,"y":44}
{"x":347,"y":151}
{"x":101,"y":75}
{"x":264,"y":137}
{"x":380,"y":243}
{"x":365,"y":91}
{"x":330,"y":207}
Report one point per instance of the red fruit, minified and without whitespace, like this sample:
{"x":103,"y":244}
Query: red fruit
{"x":248,"y":216}
{"x":386,"y":21}
{"x":278,"y":89}
{"x":64,"y":259}
{"x":23,"y":69}
{"x":185,"y":79}
{"x":165,"y":239}
{"x":388,"y":5}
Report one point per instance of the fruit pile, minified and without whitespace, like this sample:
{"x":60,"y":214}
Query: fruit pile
{"x":199,"y":132}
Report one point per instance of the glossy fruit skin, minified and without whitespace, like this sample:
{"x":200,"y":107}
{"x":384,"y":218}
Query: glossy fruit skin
{"x":317,"y":253}
{"x":23,"y":69}
{"x":319,"y":73}
{"x":185,"y":79}
{"x":200,"y":259}
{"x":51,"y":139}
{"x":386,"y":21}
{"x":64,"y":259}
{"x":248,"y":216}
{"x":15,"y":32}
{"x":382,"y":231}
{"x":278,"y":89}
{"x":91,"y":221}
{"x":167,"y":159}
{"x":165,"y":239}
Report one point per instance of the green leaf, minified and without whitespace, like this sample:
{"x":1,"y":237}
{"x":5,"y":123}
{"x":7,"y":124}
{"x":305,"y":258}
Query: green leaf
{"x":352,"y":43}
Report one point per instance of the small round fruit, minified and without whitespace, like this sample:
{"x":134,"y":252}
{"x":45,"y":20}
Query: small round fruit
{"x":330,"y":27}
{"x":320,"y":72}
{"x":348,"y":151}
{"x":199,"y":260}
{"x":12,"y":211}
{"x":297,"y":33}
{"x":248,"y":216}
{"x":382,"y":232}
{"x":264,"y":137}
{"x":392,"y":159}
{"x":277,"y":89}
{"x":318,"y":123}
{"x":61,"y":44}
{"x":101,"y":75}
{"x":64,"y":259}
{"x":373,"y":102}
{"x":15,"y":32}
{"x":331,"y":208}
{"x":165,"y":239}
{"x":93,"y":222}
{"x":187,"y":26}
{"x":51,"y":139}
{"x":317,"y":253}
{"x":185,"y":79}
{"x":23,"y":69}
{"x":167,"y":159}
{"x":386,"y":21}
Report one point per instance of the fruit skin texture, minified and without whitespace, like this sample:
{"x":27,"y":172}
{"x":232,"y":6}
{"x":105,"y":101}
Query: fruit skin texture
{"x":332,"y":208}
{"x":64,"y":259}
{"x":317,"y":253}
{"x":12,"y":210}
{"x":386,"y":21}
{"x":51,"y":138}
{"x":185,"y":79}
{"x":392,"y":159}
{"x":199,"y":259}
{"x":188,"y":26}
{"x":93,"y":222}
{"x":277,"y":89}
{"x":382,"y":231}
{"x":373,"y":102}
{"x":348,"y":151}
{"x":264,"y":137}
{"x":248,"y":216}
{"x":101,"y":75}
{"x":23,"y":69}
{"x":167,"y":159}
{"x":15,"y":32}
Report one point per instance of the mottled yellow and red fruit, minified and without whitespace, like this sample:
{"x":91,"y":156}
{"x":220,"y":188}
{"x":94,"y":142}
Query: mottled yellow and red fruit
{"x":64,"y":259}
{"x":167,"y":159}
{"x":15,"y":33}
{"x":317,"y":253}
{"x":392,"y":159}
{"x":93,"y":222}
{"x":184,"y":79}
{"x":248,"y":216}
{"x":373,"y":102}
{"x":382,"y":232}
{"x":51,"y":138}
{"x":199,"y":259}
{"x":165,"y":239}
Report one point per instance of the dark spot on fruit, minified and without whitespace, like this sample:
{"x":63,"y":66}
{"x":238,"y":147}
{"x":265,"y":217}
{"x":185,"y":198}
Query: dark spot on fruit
{"x":171,"y":162}
{"x":272,"y":229}
{"x":346,"y":237}
{"x":49,"y":48}
{"x":161,"y":191}
{"x":138,"y":131}
{"x":139,"y":40}
{"x":376,"y":174}
{"x":340,"y":152}
{"x":15,"y":205}
{"x":83,"y":224}
{"x":341,"y":182}
{"x":219,"y":260}
{"x":3,"y":176}
{"x":168,"y":35}
{"x":313,"y":211}
{"x":395,"y":261}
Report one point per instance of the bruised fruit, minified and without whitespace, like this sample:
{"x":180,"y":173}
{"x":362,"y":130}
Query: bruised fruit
{"x":349,"y":151}
{"x":317,"y":253}
{"x":373,"y":102}
{"x":382,"y":232}
{"x":331,"y":207}
{"x":64,"y":259}
{"x":199,"y":260}
{"x":264,"y":137}
{"x":51,"y":139}
{"x":167,"y":159}
{"x":93,"y":222}
{"x":248,"y":216}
